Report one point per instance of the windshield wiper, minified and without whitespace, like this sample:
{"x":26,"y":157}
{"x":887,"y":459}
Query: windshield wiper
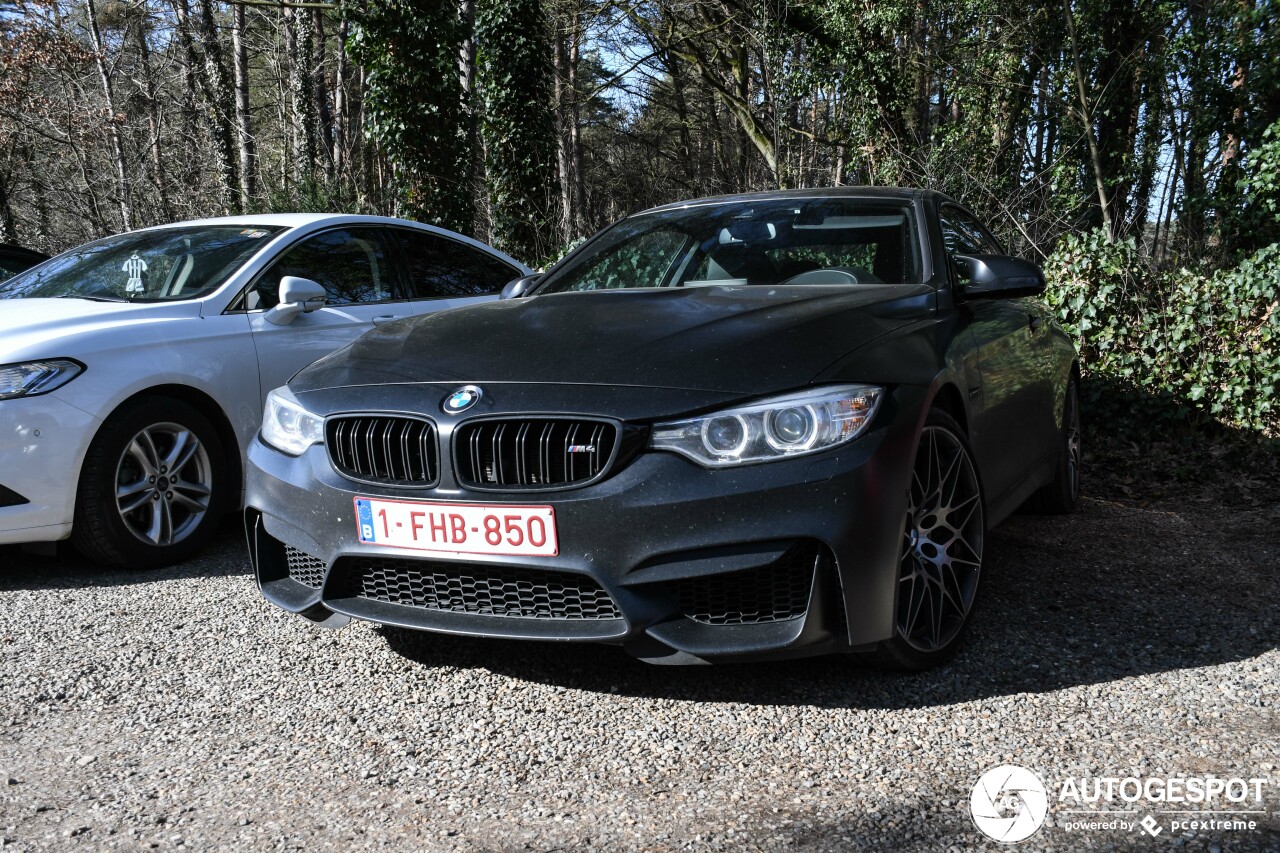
{"x":90,"y":298}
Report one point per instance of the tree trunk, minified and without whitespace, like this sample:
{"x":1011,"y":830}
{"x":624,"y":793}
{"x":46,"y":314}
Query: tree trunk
{"x":298,"y":48}
{"x":340,"y":102}
{"x":559,"y":54}
{"x":153,"y":114}
{"x":1086,"y":121}
{"x":113,"y":126}
{"x":8,"y":229}
{"x":244,"y":127}
{"x":221,"y":96}
{"x":471,"y":114}
{"x":575,"y":139}
{"x":324,"y":114}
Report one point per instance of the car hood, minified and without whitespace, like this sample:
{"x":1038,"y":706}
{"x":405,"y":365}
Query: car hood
{"x":742,"y":339}
{"x":29,"y":326}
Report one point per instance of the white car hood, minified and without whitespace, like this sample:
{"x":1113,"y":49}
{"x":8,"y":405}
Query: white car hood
{"x":46,"y":328}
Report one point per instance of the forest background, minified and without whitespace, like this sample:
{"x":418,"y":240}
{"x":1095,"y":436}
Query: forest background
{"x":1131,"y":147}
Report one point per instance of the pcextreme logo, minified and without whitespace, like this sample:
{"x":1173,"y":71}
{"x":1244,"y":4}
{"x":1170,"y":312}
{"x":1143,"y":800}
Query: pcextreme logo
{"x":1011,"y":803}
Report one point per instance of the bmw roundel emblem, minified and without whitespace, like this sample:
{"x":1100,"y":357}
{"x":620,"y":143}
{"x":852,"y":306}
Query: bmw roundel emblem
{"x":462,"y":399}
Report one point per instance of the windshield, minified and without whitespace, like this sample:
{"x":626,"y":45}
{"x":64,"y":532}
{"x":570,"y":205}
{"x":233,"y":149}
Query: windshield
{"x":820,"y":241}
{"x":159,"y":265}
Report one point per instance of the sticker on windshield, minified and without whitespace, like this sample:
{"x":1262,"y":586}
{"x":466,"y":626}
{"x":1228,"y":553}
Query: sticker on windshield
{"x":135,"y":267}
{"x":253,"y":233}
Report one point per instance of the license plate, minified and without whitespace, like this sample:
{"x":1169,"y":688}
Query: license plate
{"x":524,"y":531}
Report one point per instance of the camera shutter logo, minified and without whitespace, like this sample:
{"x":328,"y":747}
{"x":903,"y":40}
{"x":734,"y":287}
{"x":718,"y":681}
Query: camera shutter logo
{"x":1009,"y":803}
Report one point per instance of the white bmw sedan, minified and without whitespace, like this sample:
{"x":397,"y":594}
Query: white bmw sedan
{"x":133,"y":369}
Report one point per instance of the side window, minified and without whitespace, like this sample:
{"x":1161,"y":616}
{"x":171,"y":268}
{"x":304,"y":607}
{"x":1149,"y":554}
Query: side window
{"x":965,"y":235}
{"x":438,"y":267}
{"x":350,"y":263}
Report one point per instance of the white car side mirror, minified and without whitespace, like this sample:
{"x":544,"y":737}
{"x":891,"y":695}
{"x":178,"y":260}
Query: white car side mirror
{"x":297,"y":296}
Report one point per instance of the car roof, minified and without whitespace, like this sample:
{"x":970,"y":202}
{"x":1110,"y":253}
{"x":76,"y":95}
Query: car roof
{"x":289,"y":220}
{"x":881,"y":193}
{"x":302,"y":220}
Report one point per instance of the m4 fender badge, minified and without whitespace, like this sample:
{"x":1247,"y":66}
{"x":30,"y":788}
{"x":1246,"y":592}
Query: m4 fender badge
{"x":462,"y":399}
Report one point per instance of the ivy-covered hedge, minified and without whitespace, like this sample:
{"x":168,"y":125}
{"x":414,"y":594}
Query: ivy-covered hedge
{"x":1178,"y":347}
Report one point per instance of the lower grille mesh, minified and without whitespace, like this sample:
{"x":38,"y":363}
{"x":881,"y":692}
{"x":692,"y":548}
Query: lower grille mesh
{"x":304,"y":568}
{"x":771,"y":593}
{"x":481,"y":590}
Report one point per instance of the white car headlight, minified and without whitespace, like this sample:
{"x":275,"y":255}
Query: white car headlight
{"x":37,"y":377}
{"x":287,"y":426}
{"x":775,"y":428}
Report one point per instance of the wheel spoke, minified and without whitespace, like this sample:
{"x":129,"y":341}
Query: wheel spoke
{"x":936,"y":602}
{"x":192,"y":496}
{"x":133,"y":497}
{"x":143,"y":451}
{"x":155,"y":529}
{"x":952,"y":474}
{"x":951,"y":590}
{"x":184,"y":447}
{"x":972,"y":503}
{"x":915,"y":602}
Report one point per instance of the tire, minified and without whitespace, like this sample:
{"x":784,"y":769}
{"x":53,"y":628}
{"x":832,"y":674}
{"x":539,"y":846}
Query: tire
{"x":941,"y":556}
{"x":131,"y":511}
{"x":1060,"y":495}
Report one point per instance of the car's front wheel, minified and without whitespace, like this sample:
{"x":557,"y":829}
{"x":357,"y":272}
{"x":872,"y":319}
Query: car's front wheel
{"x":152,"y":487}
{"x":940,"y":562}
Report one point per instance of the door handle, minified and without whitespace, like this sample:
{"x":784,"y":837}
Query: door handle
{"x":385,"y":318}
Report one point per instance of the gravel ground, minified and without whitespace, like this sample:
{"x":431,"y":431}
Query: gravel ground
{"x":177,"y":709}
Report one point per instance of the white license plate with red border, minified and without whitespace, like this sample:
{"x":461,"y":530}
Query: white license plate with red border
{"x":523,"y":531}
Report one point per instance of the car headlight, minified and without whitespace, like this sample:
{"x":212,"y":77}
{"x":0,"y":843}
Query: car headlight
{"x":287,"y":426}
{"x":776,"y":428}
{"x":37,"y":377}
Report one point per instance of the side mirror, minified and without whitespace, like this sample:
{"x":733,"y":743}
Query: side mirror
{"x":520,"y":286}
{"x":999,"y":277}
{"x":297,"y":296}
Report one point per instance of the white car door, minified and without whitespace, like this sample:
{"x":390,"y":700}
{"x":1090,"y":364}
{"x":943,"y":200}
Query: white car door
{"x":356,"y":267}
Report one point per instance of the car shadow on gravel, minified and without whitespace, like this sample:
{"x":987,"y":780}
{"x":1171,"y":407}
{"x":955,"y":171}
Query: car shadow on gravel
{"x":1114,"y":591}
{"x":226,"y":556}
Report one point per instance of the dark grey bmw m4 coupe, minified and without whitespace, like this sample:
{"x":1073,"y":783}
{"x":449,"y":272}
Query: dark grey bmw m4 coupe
{"x":747,"y":427}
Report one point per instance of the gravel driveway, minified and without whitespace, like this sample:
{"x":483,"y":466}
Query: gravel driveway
{"x":176,"y":708}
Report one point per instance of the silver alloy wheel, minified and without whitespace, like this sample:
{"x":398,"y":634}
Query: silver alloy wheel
{"x":942,"y":548}
{"x":1075,"y":444}
{"x":163,"y":484}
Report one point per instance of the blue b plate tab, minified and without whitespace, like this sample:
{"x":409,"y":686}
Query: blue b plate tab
{"x":365,"y":513}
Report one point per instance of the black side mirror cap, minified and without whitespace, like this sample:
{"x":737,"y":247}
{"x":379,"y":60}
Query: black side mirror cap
{"x":999,"y":277}
{"x":518,"y":287}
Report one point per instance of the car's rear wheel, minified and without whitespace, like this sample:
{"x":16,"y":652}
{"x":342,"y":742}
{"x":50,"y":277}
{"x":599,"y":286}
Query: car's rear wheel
{"x":940,"y":563}
{"x":1061,"y":495}
{"x":152,"y":487}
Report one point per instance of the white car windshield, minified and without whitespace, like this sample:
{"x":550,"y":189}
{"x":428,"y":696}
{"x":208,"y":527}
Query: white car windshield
{"x":158,"y":265}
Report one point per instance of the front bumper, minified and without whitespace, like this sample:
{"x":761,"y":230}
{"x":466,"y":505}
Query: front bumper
{"x":43,"y":441}
{"x":780,"y":559}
